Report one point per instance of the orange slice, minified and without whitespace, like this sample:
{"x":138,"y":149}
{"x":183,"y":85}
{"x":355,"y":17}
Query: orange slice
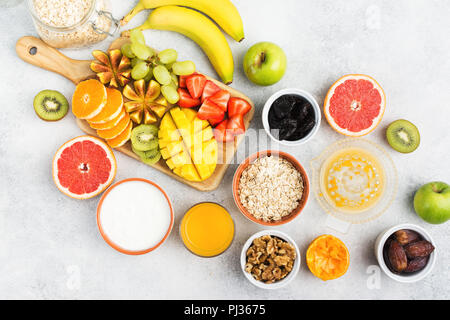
{"x":109,"y":124}
{"x":88,"y":99}
{"x":327,"y":257}
{"x":112,"y":108}
{"x":118,"y":129}
{"x":122,"y":138}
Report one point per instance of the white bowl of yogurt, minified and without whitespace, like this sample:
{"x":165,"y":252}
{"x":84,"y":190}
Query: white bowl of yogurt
{"x":135,"y":216}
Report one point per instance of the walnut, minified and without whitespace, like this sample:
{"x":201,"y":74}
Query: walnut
{"x":282,"y":260}
{"x":271,"y":246}
{"x":277,"y":273}
{"x":270,"y":259}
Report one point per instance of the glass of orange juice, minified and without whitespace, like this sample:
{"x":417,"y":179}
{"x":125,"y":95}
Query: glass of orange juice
{"x":207,"y":229}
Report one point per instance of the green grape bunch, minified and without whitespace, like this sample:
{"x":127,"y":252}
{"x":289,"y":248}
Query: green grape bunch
{"x":163,"y":66}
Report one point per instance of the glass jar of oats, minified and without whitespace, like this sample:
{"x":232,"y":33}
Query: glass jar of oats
{"x":72,"y":23}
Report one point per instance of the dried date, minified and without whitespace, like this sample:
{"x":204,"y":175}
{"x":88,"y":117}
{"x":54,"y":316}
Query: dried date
{"x":416,"y":264}
{"x":417,"y":249}
{"x":397,"y":256}
{"x":406,"y":236}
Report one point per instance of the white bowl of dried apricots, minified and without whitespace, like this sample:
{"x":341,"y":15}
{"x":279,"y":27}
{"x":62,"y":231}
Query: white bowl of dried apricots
{"x":270,"y":259}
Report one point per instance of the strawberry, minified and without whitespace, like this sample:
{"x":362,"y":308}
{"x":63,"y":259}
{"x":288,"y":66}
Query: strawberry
{"x":238,"y":106}
{"x":236,"y":125}
{"x":221,"y":133}
{"x":221,"y":99}
{"x":213,"y":122}
{"x":209,"y":110}
{"x":182,"y":80}
{"x":186,"y":101}
{"x":195,"y":84}
{"x":209,"y":90}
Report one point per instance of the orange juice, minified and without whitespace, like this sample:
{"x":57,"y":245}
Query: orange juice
{"x":352,"y":180}
{"x":207,"y":229}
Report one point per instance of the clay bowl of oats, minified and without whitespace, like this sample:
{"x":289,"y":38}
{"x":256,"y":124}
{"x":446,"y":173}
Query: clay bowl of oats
{"x":270,"y":188}
{"x":270,"y":259}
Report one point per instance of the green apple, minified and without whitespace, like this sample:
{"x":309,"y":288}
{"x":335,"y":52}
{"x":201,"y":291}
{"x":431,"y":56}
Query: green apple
{"x":432,"y":202}
{"x":265,"y":63}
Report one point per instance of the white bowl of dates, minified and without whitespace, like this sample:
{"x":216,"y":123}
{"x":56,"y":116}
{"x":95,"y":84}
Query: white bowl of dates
{"x":270,"y":259}
{"x":291,"y":116}
{"x":406,"y":252}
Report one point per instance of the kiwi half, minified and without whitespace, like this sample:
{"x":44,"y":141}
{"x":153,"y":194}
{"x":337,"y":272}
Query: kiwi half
{"x":149,"y":157}
{"x":403,"y":136}
{"x":50,"y":105}
{"x":144,"y":137}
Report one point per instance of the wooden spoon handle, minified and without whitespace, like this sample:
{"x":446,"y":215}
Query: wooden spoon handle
{"x":38,"y":53}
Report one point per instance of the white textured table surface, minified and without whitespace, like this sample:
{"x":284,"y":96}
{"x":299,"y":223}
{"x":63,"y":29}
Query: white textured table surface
{"x":50,"y":246}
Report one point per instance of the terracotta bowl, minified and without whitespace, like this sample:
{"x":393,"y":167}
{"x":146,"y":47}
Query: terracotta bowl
{"x":295,"y":163}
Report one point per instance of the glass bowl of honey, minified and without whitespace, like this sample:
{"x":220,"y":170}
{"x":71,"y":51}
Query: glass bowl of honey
{"x":354,"y":180}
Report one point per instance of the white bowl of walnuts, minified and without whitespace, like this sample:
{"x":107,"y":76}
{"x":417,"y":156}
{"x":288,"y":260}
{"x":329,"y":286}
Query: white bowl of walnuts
{"x":270,"y":259}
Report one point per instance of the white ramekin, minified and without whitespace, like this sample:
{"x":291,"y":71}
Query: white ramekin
{"x":288,"y":278}
{"x":405,"y":278}
{"x":302,"y":93}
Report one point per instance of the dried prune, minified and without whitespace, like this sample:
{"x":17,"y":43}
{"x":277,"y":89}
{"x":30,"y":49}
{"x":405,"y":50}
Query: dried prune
{"x":293,"y":116}
{"x":288,"y":129}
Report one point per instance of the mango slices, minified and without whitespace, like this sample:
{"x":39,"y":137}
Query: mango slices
{"x":188,"y":144}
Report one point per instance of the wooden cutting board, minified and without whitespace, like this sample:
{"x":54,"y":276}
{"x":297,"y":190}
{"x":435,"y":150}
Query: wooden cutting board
{"x":38,"y":53}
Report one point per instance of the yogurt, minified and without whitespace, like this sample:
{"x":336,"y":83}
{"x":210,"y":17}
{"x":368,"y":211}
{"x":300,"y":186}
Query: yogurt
{"x":134,"y":216}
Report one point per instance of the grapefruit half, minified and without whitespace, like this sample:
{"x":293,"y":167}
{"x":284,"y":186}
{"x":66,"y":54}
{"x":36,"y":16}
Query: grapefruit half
{"x":84,"y":167}
{"x":354,"y":105}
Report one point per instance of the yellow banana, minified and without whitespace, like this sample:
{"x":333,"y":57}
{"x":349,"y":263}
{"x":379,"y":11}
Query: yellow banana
{"x":223,"y":12}
{"x":200,"y":29}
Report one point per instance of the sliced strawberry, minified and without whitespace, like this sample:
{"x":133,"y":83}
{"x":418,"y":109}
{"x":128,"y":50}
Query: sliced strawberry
{"x":182,"y":80}
{"x":236,"y":125}
{"x":238,"y":106}
{"x":221,"y":133}
{"x":209,"y":90}
{"x":221,"y":99}
{"x":213,"y":122}
{"x":209,"y":110}
{"x":195,"y":84}
{"x":186,"y":101}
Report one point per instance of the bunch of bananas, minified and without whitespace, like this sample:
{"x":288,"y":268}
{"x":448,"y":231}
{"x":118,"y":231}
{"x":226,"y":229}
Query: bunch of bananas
{"x":169,"y":15}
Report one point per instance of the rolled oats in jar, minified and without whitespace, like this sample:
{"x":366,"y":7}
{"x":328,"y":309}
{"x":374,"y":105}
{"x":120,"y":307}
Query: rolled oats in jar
{"x":72,"y":23}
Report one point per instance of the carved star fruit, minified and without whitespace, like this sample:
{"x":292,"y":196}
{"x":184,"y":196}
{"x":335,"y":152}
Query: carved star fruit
{"x":145,"y":105}
{"x":111,"y":68}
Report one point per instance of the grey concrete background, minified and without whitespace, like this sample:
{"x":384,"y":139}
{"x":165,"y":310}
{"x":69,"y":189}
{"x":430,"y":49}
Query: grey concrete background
{"x":50,"y":247}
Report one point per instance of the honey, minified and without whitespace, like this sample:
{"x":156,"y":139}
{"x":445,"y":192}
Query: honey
{"x":352,"y":180}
